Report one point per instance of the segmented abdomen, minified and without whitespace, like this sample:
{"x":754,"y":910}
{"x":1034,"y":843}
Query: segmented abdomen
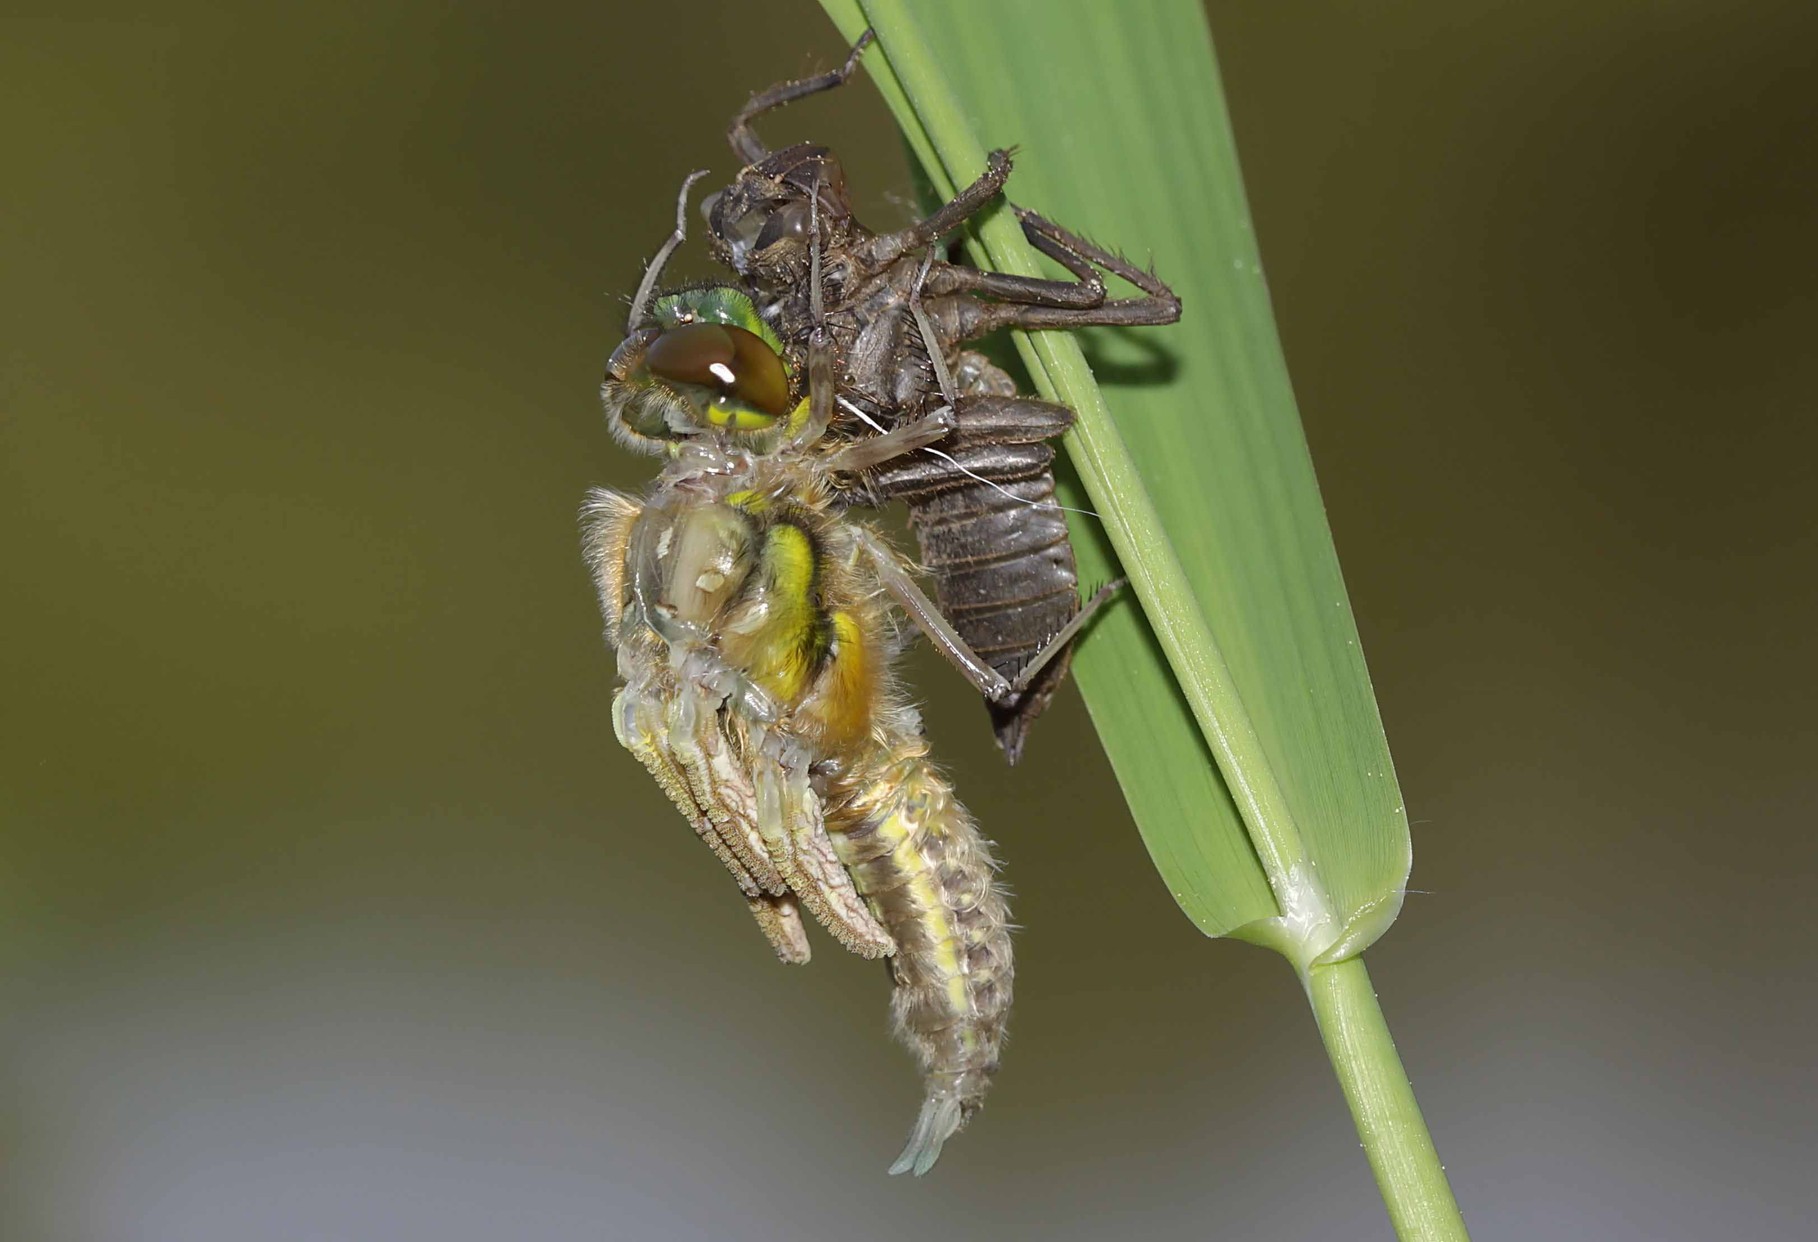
{"x":918,"y":859}
{"x":994,"y":543}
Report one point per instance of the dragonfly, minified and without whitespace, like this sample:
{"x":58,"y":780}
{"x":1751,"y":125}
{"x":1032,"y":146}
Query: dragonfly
{"x":756,"y":621}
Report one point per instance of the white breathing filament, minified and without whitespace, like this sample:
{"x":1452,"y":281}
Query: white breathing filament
{"x":991,"y":483}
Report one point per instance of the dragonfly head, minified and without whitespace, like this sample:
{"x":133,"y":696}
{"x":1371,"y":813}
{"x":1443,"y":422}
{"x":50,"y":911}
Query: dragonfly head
{"x":703,"y":364}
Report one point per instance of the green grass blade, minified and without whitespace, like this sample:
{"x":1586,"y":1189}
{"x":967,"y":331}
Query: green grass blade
{"x":1207,"y":494}
{"x":1249,"y":660}
{"x":1250,"y":657}
{"x":1203,"y":481}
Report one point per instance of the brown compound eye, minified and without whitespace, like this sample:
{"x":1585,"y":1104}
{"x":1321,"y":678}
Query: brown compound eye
{"x":788,"y":221}
{"x":729,"y":360}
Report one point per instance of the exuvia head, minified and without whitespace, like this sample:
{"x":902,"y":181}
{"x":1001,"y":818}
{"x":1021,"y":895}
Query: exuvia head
{"x":763,"y":220}
{"x":703,"y":363}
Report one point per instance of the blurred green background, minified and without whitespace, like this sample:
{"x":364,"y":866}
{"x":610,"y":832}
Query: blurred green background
{"x":330,"y":909}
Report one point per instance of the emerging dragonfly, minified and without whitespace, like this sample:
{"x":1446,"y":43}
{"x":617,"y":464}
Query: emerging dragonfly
{"x":755,"y":625}
{"x":887,"y":321}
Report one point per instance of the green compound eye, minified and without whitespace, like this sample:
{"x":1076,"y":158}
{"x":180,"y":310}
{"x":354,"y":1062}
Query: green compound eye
{"x":736,"y":364}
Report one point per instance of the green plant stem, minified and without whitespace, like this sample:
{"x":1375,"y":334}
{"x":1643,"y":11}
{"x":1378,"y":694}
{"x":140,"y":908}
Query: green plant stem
{"x":1395,"y":1138}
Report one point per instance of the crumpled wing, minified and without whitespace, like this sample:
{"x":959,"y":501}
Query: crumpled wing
{"x":643,"y":726}
{"x":638,"y":722}
{"x":749,"y":798}
{"x":789,"y":817}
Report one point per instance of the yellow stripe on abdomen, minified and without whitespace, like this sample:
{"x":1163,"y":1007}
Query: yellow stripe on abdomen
{"x":919,"y":861}
{"x":888,"y":856}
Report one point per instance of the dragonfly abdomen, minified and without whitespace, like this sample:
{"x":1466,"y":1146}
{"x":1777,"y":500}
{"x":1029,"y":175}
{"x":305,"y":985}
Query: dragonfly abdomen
{"x":919,"y":861}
